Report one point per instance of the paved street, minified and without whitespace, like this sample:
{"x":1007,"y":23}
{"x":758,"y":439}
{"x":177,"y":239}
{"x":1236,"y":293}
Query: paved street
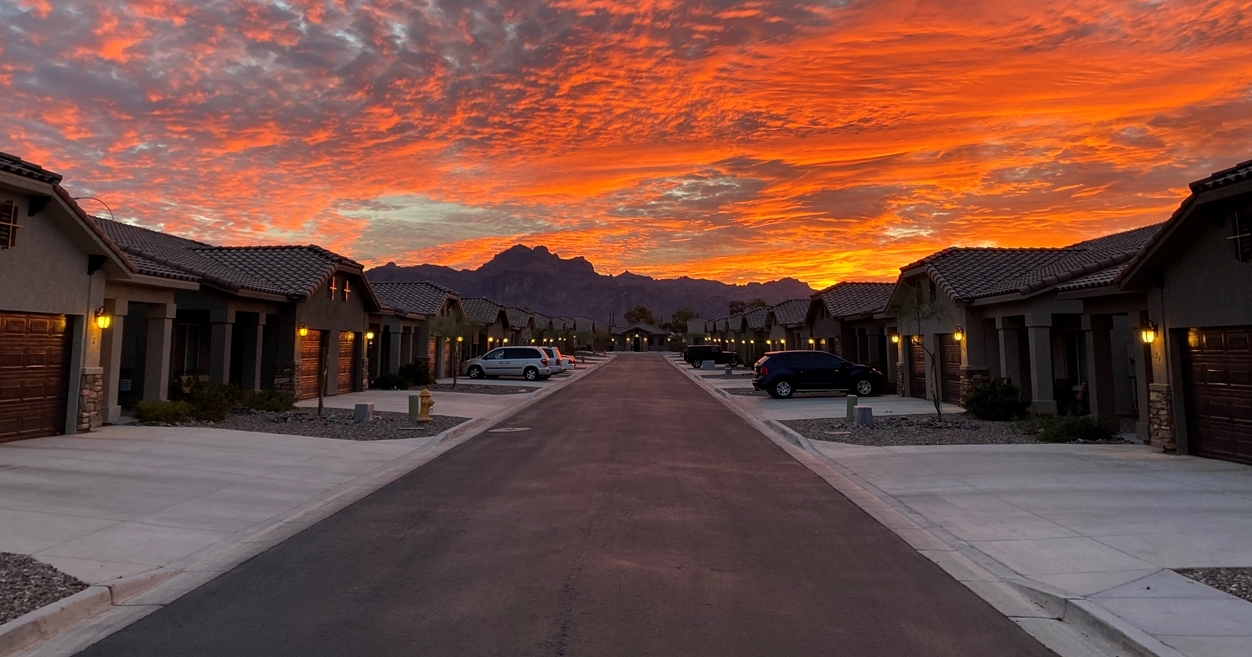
{"x":633,"y":515}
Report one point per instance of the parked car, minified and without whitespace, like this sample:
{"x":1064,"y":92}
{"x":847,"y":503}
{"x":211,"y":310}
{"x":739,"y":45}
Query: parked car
{"x":555,"y":362}
{"x":698,"y":354}
{"x":530,"y":363}
{"x":782,"y":373}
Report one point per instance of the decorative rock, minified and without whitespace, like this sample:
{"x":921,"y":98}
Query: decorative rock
{"x":363,"y":412}
{"x":864,"y":416}
{"x":708,"y":365}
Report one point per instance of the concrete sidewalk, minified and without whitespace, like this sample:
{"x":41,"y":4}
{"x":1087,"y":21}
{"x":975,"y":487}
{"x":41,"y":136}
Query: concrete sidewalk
{"x":1098,"y":524}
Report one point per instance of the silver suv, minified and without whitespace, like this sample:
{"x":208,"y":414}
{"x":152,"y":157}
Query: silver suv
{"x":527,"y":362}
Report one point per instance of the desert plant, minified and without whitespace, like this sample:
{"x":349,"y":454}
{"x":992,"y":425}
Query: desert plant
{"x":998,"y":399}
{"x":390,"y":382}
{"x":168,"y":412}
{"x":211,"y":402}
{"x":1064,"y":428}
{"x":275,"y":401}
{"x":912,"y":310}
{"x":416,"y":373}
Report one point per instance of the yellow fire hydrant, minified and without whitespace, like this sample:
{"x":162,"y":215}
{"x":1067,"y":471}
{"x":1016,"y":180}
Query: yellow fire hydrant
{"x":424,"y":405}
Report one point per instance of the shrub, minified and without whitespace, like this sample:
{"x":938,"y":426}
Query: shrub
{"x":168,"y":412}
{"x":416,"y":373}
{"x":997,"y":399}
{"x":390,"y":382}
{"x":269,"y":400}
{"x":211,"y":402}
{"x":1065,"y":429}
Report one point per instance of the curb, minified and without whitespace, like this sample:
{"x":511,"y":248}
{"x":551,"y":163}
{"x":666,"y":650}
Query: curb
{"x":75,"y":622}
{"x":997,"y":584}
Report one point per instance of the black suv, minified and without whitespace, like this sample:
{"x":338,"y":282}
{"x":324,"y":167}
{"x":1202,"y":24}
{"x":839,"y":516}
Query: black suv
{"x":782,"y":373}
{"x":698,"y":354}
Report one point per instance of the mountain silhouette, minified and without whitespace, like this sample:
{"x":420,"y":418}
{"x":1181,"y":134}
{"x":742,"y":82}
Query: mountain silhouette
{"x":544,"y":282}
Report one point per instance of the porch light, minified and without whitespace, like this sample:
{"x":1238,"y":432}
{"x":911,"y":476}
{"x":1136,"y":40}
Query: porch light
{"x":506,"y":340}
{"x":460,"y":339}
{"x":895,"y":338}
{"x":782,"y":341}
{"x":810,"y":342}
{"x":103,"y":318}
{"x":369,"y":335}
{"x":958,"y":334}
{"x":490,"y":339}
{"x":1148,"y":333}
{"x":303,"y":329}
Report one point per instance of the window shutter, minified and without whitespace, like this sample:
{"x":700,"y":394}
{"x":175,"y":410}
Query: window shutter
{"x":8,"y":224}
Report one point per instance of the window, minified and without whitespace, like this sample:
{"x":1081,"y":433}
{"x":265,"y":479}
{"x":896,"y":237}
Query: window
{"x":518,"y":353}
{"x":494,"y":354}
{"x":8,"y":224}
{"x":1241,"y":229}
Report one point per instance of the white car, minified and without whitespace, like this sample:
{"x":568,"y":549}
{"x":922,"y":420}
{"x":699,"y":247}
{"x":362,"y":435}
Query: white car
{"x":554,"y":359}
{"x":530,"y":363}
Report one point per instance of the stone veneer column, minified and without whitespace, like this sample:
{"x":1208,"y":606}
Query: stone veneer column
{"x":90,"y":396}
{"x":156,"y":376}
{"x":1161,"y":417}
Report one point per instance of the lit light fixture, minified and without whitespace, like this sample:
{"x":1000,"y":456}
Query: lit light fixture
{"x":782,"y":341}
{"x":958,"y":334}
{"x":369,"y":335}
{"x":490,"y":339}
{"x":460,"y":339}
{"x":810,"y":341}
{"x":1148,"y":333}
{"x":915,"y":339}
{"x":895,"y":338}
{"x":506,"y":340}
{"x":103,"y":319}
{"x":303,"y":329}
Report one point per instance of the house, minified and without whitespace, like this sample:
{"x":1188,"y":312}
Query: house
{"x":850,"y":319}
{"x":291,"y":318}
{"x":53,"y":319}
{"x":405,"y":330}
{"x":493,"y":319}
{"x":1196,"y":273}
{"x":1048,"y":319}
{"x":786,"y":328}
{"x":640,"y":336}
{"x":521,"y":326}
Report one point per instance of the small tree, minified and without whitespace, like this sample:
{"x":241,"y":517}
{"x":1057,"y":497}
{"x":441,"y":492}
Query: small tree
{"x":736,"y":307}
{"x":639,"y":314}
{"x":912,"y":311}
{"x":678,"y":321}
{"x":455,"y":328}
{"x":757,"y":303}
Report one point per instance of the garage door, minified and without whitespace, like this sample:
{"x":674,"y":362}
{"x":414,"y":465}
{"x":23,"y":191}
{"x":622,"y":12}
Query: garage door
{"x":1217,"y":388}
{"x":347,"y":362}
{"x":34,"y":375}
{"x":917,"y":369}
{"x":310,"y":364}
{"x":950,"y":368}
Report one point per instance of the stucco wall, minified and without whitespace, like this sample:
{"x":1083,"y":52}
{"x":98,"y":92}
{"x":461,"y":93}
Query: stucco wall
{"x":46,"y":270}
{"x":1205,"y":285}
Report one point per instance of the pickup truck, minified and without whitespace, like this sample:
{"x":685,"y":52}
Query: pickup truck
{"x":698,"y":354}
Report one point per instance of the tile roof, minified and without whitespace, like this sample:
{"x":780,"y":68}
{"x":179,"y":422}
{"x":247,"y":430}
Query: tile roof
{"x":640,"y":326}
{"x":543,"y":321}
{"x":15,"y":164}
{"x":584,"y":323}
{"x":478,"y":309}
{"x":1107,"y":254}
{"x":418,"y":297}
{"x":518,"y":318}
{"x":790,"y":312}
{"x":756,"y":318}
{"x":849,"y":299}
{"x":1237,"y":173}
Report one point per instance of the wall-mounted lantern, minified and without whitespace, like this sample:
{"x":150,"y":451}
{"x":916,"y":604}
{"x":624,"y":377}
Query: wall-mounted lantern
{"x":895,"y":338}
{"x":103,"y":319}
{"x":1148,"y":333}
{"x":303,"y":329}
{"x":958,"y":334}
{"x":369,"y":335}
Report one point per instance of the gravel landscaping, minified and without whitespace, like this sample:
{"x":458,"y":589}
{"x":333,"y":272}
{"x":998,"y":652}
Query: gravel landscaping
{"x":1235,"y":581}
{"x":913,"y":430}
{"x":335,"y":423}
{"x":27,"y":584}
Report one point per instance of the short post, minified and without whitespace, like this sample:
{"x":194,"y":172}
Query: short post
{"x":363,"y":412}
{"x":415,"y":406}
{"x":729,"y":369}
{"x":864,"y":416}
{"x":851,"y":414}
{"x":425,"y":404}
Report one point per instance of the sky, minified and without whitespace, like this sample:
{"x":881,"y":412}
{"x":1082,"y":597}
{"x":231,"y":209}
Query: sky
{"x":741,"y":141}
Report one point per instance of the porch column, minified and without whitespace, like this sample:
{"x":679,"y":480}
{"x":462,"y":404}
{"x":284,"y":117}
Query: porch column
{"x":254,"y":340}
{"x":1039,"y":333}
{"x":406,"y":345}
{"x":393,"y":350}
{"x":1097,"y":331}
{"x":1143,"y":375}
{"x":111,"y":358}
{"x":221,"y":329}
{"x":1010,"y":355}
{"x":156,"y":372}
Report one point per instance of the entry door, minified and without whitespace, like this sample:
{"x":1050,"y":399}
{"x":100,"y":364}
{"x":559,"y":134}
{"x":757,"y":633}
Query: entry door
{"x":917,"y":369}
{"x":311,"y":355}
{"x":347,"y":362}
{"x":950,"y":368}
{"x":34,"y":375}
{"x":1217,"y":384}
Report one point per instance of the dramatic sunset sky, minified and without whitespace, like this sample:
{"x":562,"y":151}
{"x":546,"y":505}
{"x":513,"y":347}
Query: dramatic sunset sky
{"x":741,"y":141}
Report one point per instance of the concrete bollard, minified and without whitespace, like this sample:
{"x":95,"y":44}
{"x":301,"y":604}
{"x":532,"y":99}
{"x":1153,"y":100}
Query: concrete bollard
{"x":708,"y":365}
{"x":415,"y":408}
{"x":363,"y":412}
{"x":729,"y":369}
{"x":851,"y":413}
{"x":864,"y":416}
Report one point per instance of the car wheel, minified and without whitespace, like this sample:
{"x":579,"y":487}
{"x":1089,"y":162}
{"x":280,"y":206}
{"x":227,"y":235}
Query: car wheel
{"x":475,"y":372}
{"x":697,"y":363}
{"x":531,"y":373}
{"x":782,"y":389}
{"x":863,"y":387}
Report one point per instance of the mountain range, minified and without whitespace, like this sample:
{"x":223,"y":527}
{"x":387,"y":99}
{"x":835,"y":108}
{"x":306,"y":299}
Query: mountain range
{"x":540,"y":280}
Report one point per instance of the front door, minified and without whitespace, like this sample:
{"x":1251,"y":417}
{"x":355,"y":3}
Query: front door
{"x":634,"y":345}
{"x":347,"y":362}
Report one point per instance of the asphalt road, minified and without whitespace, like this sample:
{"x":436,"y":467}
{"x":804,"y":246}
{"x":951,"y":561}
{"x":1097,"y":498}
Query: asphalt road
{"x":634,"y":516}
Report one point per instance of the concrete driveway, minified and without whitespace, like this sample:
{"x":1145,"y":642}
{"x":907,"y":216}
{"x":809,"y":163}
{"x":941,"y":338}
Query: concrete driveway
{"x":1104,"y":523}
{"x":810,"y":406}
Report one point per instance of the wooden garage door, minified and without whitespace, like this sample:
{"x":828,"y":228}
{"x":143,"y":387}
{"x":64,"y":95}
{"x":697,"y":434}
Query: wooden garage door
{"x":310,"y":364}
{"x":347,"y":362}
{"x":1217,"y":388}
{"x":34,"y":375}
{"x":950,"y":368}
{"x":917,"y":369}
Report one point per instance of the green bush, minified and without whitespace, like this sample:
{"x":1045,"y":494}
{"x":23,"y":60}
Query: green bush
{"x":998,"y":400}
{"x":416,"y":373}
{"x":269,"y":400}
{"x":211,"y":402}
{"x":168,"y":412}
{"x":1065,"y":428}
{"x":390,"y":382}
